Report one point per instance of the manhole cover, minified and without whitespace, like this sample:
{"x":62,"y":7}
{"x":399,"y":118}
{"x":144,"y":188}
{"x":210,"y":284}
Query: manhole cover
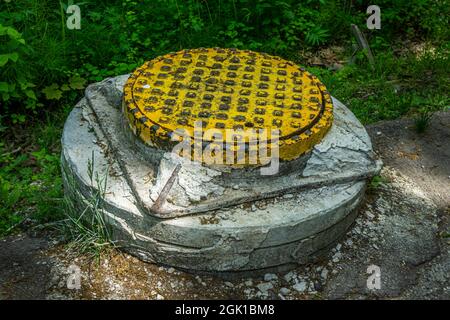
{"x":222,"y":89}
{"x":213,"y":218}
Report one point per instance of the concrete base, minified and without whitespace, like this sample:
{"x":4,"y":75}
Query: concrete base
{"x":300,"y":215}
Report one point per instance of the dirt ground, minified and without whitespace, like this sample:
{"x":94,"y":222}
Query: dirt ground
{"x":402,"y":228}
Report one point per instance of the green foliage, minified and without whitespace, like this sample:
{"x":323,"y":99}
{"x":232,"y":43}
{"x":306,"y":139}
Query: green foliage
{"x":16,"y":83}
{"x":30,"y":182}
{"x":39,"y":55}
{"x":412,"y":18}
{"x":85,"y":224}
{"x":376,"y":182}
{"x":397,"y":86}
{"x":422,"y":120}
{"x":316,"y":36}
{"x":55,"y":92}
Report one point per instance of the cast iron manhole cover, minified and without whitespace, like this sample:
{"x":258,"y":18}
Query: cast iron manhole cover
{"x":227,"y":89}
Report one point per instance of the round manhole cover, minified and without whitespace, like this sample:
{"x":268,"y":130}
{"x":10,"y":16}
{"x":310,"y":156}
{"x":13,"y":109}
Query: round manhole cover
{"x":223,"y":90}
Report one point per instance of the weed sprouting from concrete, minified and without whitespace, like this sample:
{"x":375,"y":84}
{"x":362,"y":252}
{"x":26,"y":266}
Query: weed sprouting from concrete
{"x":376,"y":182}
{"x":85,"y":224}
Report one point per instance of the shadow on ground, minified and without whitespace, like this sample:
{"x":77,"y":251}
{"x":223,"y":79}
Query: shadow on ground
{"x":401,"y":228}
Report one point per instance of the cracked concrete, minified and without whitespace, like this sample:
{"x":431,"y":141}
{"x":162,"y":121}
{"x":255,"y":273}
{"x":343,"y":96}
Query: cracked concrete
{"x":401,"y":227}
{"x":205,"y":207}
{"x":356,"y":162}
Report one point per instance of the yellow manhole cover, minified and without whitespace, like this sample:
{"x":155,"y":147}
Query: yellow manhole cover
{"x":224,"y":89}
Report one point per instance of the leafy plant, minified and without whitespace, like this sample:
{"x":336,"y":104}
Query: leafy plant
{"x":18,"y":84}
{"x":376,"y":182}
{"x":317,"y":36}
{"x":55,"y":91}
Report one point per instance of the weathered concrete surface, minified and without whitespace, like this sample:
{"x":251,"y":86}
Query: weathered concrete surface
{"x":304,"y":213}
{"x":400,"y":227}
{"x":344,"y":154}
{"x":224,"y":239}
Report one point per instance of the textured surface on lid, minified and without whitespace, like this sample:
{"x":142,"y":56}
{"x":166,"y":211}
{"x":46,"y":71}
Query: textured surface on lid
{"x":227,"y":89}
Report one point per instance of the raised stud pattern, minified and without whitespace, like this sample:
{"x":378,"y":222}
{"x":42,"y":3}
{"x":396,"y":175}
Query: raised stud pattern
{"x":227,"y":89}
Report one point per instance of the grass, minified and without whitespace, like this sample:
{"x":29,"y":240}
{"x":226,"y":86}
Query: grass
{"x":422,"y":120}
{"x":31,"y":190}
{"x":399,"y":85}
{"x":85,"y":224}
{"x":376,"y":182}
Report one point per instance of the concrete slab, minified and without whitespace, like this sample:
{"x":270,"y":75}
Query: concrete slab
{"x":265,"y":222}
